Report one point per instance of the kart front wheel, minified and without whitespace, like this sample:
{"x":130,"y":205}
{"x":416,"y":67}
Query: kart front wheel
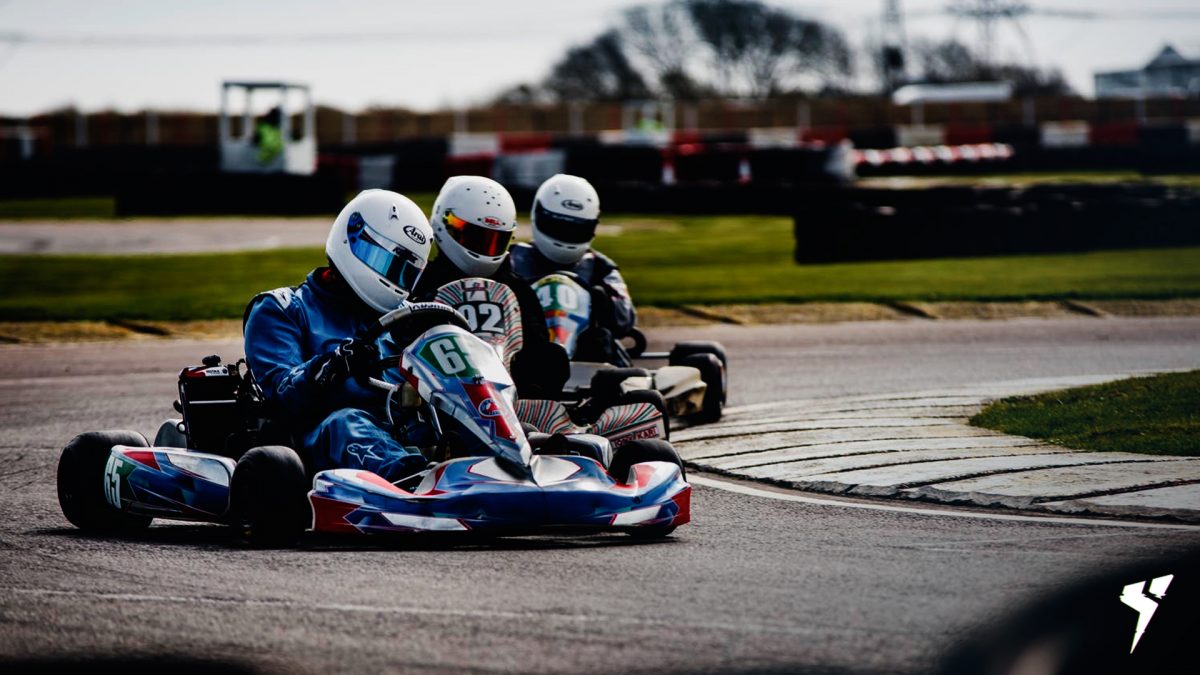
{"x":636,"y":452}
{"x":268,"y":496}
{"x":81,"y":476}
{"x":643,"y":450}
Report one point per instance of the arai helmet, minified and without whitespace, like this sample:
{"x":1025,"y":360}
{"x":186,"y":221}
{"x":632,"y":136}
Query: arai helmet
{"x":380,"y":243}
{"x":566,"y":211}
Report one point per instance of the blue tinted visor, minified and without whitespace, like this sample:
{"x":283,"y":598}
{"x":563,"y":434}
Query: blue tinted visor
{"x":388,"y":259}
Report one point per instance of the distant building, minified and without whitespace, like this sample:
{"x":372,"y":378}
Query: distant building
{"x":1168,"y":74}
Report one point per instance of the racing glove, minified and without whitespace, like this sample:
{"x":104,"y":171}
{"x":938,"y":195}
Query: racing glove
{"x":603,"y":313}
{"x":352,"y":358}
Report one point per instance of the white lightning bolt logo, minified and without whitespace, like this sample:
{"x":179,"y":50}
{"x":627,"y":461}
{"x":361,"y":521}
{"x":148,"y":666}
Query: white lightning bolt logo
{"x":1135,"y":596}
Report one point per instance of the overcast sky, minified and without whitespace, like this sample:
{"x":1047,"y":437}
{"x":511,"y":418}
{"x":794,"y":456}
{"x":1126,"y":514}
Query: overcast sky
{"x":425,"y":55}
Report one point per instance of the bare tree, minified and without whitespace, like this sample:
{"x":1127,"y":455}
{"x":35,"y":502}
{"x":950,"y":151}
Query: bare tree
{"x":760,"y":51}
{"x":690,"y":49}
{"x":597,"y":71}
{"x":952,"y":61}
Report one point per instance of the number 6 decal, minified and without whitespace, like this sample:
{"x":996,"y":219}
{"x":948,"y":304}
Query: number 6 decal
{"x":449,"y":356}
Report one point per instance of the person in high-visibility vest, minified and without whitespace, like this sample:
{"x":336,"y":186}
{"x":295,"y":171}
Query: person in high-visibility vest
{"x":268,"y":136}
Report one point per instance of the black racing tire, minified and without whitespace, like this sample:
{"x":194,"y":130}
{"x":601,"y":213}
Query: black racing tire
{"x":648,"y":396}
{"x":682,"y":350}
{"x":713,"y":375}
{"x":606,"y":382}
{"x":81,"y":482}
{"x":642,"y":450}
{"x":268,"y":496}
{"x":635,"y":452}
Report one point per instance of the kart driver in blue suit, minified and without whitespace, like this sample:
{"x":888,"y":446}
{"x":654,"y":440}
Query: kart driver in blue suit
{"x":301,"y":344}
{"x":565,"y":214}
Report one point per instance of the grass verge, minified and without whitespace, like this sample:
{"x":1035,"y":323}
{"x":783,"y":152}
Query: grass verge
{"x":1158,"y":415}
{"x":668,"y":261}
{"x":59,"y":208}
{"x":728,"y":259}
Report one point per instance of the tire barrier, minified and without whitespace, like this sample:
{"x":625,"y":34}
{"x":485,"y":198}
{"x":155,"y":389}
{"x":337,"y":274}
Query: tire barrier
{"x":766,"y":157}
{"x":866,"y":224}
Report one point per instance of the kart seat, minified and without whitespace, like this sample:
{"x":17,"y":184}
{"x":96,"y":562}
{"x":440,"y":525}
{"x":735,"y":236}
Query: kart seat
{"x":541,"y":370}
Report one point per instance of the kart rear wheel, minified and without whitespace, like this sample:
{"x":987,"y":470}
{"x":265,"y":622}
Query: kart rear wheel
{"x":682,"y":350}
{"x":169,"y":435}
{"x":268,"y":496}
{"x":81,"y":469}
{"x":713,"y":374}
{"x":635,"y":452}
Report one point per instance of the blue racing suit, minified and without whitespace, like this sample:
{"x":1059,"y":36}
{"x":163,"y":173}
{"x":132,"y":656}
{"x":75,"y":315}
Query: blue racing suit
{"x":290,"y":333}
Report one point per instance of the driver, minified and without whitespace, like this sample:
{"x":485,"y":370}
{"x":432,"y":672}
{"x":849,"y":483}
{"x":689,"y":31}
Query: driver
{"x":300,"y":341}
{"x":473,"y":221}
{"x":566,"y":211}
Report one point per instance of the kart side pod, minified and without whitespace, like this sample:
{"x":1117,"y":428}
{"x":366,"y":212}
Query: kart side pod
{"x":168,"y":483}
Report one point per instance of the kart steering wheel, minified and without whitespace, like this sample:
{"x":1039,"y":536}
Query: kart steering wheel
{"x":405,"y":324}
{"x":415,"y":318}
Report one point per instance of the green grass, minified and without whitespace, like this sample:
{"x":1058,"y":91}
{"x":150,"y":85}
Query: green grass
{"x":666,"y":260}
{"x":749,"y":259}
{"x":59,"y":208}
{"x":169,"y":287}
{"x":1157,"y":415}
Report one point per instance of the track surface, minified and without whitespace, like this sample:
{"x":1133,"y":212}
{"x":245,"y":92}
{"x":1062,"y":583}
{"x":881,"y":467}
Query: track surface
{"x":752,"y":583}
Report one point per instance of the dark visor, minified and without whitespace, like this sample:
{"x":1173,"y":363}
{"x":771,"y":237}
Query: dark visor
{"x":388,"y":259}
{"x":564,"y":228}
{"x":476,"y":238}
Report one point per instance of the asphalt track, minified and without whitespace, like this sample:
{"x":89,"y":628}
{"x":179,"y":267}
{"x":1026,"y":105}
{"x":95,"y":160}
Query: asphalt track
{"x":758,"y":581}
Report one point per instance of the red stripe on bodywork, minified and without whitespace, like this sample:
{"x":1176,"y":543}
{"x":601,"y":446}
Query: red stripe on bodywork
{"x":377,"y":480}
{"x":143,"y":457}
{"x":329,"y":515}
{"x":437,"y":476}
{"x":683,"y":500}
{"x":642,"y":474}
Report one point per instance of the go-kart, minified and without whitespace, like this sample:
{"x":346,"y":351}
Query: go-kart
{"x":693,"y":383}
{"x":491,"y":476}
{"x":492,"y":312}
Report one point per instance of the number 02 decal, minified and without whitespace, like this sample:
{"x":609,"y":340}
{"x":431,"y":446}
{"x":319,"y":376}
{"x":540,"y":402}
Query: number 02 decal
{"x":483,"y":317}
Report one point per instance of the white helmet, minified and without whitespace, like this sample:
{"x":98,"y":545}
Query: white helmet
{"x":379,"y":243}
{"x":566,"y":211}
{"x":473,"y":221}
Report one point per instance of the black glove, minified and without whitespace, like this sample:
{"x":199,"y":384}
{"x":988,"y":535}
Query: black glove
{"x":603,"y":312}
{"x":352,"y":358}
